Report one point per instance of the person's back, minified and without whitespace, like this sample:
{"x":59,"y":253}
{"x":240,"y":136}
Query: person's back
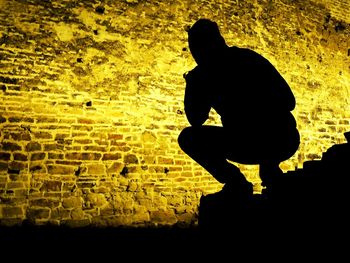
{"x":247,"y":92}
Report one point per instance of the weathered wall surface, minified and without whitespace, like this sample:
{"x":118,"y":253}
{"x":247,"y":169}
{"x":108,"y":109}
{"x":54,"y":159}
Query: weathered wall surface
{"x":91,"y":101}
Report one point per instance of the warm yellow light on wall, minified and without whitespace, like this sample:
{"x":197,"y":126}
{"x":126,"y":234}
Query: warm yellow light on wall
{"x":91,"y":102}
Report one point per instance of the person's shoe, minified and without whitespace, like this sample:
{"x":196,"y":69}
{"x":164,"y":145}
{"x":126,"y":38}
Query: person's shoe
{"x":242,"y":189}
{"x":270,"y":175}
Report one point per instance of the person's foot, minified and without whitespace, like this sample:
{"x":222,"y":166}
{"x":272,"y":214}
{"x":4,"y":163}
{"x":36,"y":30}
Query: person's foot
{"x":270,"y":174}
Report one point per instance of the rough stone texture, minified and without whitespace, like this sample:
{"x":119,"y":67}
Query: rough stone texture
{"x":91,"y":101}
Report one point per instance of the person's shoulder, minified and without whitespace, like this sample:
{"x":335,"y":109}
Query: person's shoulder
{"x":251,"y":56}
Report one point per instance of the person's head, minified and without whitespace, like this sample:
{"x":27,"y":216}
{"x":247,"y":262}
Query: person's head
{"x":205,"y":41}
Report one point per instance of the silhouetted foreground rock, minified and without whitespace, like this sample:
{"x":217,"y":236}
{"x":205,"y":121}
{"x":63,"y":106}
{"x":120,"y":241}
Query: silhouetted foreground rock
{"x":86,"y":242}
{"x":314,"y":198}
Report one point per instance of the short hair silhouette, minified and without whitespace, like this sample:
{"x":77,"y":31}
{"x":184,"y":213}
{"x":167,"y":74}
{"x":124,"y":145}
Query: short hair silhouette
{"x":205,"y":30}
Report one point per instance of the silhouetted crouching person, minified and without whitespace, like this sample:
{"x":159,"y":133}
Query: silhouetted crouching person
{"x":253,"y":101}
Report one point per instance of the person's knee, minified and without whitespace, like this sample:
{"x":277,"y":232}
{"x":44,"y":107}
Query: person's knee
{"x":185,"y":137}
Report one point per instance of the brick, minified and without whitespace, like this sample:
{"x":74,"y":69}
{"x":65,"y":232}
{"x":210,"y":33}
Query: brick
{"x":38,"y":213}
{"x":330,"y":122}
{"x":37,"y":168}
{"x":72,"y":202}
{"x":22,"y":136}
{"x":96,"y":200}
{"x":46,"y":120}
{"x":180,"y":162}
{"x":61,"y":169}
{"x":20,"y":119}
{"x":55,"y":127}
{"x":44,"y":202}
{"x":115,"y":136}
{"x":96,"y":169}
{"x":17,"y":166}
{"x":82,"y":128}
{"x":67,"y":121}
{"x":19,"y":177}
{"x":76,"y":163}
{"x":163,"y":160}
{"x":37,"y":156}
{"x":42,"y":135}
{"x":4,"y":156}
{"x":83,"y":156}
{"x":131,"y":158}
{"x":187,"y":174}
{"x":80,"y":134}
{"x":83,"y":141}
{"x":77,"y":214}
{"x":98,"y":135}
{"x":53,"y":147}
{"x":51,"y":186}
{"x":73,"y":148}
{"x":344,"y":122}
{"x":12,"y":212}
{"x":14,"y":185}
{"x":8,"y":80}
{"x":69,"y":187}
{"x":62,"y":136}
{"x":55,"y":155}
{"x":148,"y":136}
{"x":86,"y":185}
{"x":111,"y":156}
{"x":33,"y":146}
{"x":10,"y":146}
{"x":176,"y":168}
{"x":115,"y":167}
{"x":163,"y":217}
{"x":85,"y":121}
{"x":134,"y":169}
{"x":20,"y":157}
{"x":60,"y":213}
{"x":95,"y":148}
{"x":3,"y":179}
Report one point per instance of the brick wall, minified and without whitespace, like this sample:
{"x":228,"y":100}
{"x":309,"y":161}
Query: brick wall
{"x":91,"y":102}
{"x":340,"y":9}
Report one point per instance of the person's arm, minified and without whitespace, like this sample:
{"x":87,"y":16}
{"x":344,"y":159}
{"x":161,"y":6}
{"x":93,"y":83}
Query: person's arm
{"x":197,"y":105}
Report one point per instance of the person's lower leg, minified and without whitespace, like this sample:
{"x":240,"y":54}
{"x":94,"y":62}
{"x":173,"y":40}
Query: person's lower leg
{"x":269,"y":173}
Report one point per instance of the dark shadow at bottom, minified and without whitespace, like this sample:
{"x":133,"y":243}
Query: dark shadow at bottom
{"x":306,"y":203}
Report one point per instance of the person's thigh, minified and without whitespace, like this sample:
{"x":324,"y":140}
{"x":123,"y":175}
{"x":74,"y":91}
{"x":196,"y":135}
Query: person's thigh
{"x":261,"y":148}
{"x":215,"y":141}
{"x":203,"y":139}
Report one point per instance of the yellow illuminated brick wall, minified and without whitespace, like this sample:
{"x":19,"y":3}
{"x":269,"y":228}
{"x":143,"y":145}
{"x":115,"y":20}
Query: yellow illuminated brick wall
{"x":91,"y":101}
